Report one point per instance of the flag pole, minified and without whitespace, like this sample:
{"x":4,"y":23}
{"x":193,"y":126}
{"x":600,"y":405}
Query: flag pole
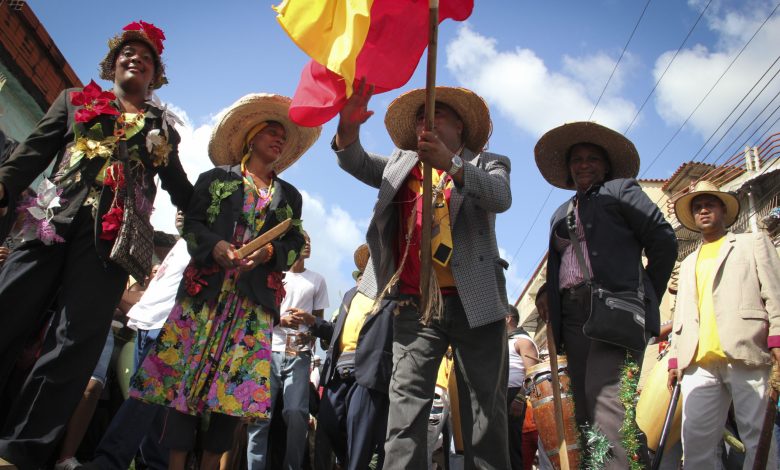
{"x":427,"y":203}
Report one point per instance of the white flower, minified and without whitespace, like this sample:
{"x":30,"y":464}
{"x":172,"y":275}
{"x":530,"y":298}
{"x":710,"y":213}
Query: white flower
{"x":155,"y":138}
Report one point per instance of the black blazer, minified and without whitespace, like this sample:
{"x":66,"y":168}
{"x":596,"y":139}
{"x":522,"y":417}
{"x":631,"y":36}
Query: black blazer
{"x":201,"y":236}
{"x":374,"y":353}
{"x":52,"y":139}
{"x":620,"y":221}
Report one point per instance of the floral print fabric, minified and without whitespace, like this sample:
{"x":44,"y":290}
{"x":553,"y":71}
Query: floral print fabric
{"x":215,"y":355}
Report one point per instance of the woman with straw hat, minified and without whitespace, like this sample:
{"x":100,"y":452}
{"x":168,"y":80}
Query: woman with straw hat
{"x":614,"y":222}
{"x":213,"y":353}
{"x":102,"y":142}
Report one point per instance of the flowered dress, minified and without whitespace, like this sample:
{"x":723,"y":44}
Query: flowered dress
{"x":215,"y":355}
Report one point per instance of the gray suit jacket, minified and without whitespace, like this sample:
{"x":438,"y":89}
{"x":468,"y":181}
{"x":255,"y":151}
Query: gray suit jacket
{"x":476,"y":266}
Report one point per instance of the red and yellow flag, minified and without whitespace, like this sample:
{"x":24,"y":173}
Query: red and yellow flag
{"x":381,"y":40}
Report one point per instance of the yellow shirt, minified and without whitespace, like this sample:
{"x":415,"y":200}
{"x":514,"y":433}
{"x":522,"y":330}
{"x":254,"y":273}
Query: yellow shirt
{"x":441,"y":233}
{"x":709,"y":340}
{"x":359,"y":309}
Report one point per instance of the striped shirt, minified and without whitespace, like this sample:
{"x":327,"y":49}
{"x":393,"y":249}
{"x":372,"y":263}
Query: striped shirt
{"x":570,"y":274}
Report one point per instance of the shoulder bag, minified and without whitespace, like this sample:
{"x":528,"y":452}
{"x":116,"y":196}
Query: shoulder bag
{"x":134,"y":244}
{"x":615,"y":317}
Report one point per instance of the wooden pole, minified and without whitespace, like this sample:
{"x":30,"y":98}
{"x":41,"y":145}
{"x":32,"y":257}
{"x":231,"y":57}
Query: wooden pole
{"x":765,"y":439}
{"x":427,"y":205}
{"x":563,"y":450}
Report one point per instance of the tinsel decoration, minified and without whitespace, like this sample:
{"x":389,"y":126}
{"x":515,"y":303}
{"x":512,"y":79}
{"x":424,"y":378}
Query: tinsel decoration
{"x":629,"y":432}
{"x":598,"y":449}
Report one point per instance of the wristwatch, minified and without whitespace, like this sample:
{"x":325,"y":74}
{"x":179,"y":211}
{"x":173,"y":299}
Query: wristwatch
{"x":457,"y":164}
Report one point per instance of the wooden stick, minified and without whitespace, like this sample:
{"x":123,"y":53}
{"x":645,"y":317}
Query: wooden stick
{"x":427,"y":204}
{"x":534,"y":358}
{"x":272,"y":234}
{"x":765,"y":438}
{"x":563,"y":450}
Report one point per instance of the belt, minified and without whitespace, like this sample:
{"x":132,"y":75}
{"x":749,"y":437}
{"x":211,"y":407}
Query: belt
{"x":573,"y":291}
{"x":346,"y":372}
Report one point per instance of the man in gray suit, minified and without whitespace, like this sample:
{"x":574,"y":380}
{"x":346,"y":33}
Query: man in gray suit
{"x":470,"y":188}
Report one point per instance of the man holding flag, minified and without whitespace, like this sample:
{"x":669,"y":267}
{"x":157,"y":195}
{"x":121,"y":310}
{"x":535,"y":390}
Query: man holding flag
{"x":470,"y":188}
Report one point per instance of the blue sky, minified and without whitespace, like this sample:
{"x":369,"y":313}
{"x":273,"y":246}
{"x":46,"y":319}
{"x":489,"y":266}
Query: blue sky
{"x":538,"y":64}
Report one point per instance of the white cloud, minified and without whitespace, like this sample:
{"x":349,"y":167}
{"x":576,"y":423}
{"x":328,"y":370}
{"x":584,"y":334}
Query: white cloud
{"x":520,"y":85}
{"x":334,"y":236}
{"x":697,"y":68}
{"x":195,"y":160}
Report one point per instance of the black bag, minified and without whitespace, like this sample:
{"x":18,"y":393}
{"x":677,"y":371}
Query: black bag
{"x":134,"y":245}
{"x":615,"y":317}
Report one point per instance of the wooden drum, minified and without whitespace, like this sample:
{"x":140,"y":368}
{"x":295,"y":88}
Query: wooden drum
{"x":538,"y":385}
{"x":652,"y":406}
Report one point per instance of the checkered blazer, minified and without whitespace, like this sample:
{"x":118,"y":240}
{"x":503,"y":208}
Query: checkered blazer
{"x":476,"y":266}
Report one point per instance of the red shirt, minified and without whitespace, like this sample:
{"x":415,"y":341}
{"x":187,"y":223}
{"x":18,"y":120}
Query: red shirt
{"x":406,"y":198}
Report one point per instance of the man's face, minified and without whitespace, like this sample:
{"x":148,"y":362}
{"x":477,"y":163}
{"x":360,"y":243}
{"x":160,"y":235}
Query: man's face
{"x":708,"y":213}
{"x":179,"y":220}
{"x":587,"y":166}
{"x":306,"y":250}
{"x":446,"y":124}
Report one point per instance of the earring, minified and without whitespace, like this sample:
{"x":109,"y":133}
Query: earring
{"x":251,"y":145}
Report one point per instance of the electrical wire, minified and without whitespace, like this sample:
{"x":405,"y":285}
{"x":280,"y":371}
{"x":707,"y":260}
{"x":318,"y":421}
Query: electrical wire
{"x":647,"y":98}
{"x":630,"y":37}
{"x":674,"y":136}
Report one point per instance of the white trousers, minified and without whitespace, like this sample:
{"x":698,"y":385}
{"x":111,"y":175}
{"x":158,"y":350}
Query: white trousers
{"x":707,"y":393}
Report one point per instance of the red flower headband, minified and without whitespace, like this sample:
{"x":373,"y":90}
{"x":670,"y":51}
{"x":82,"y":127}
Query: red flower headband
{"x":155,"y":34}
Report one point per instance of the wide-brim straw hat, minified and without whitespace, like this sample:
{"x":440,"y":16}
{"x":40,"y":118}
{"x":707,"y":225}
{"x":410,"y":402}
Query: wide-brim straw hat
{"x":553,"y":148}
{"x":141,"y":34}
{"x":682,"y":206}
{"x":401,"y":123}
{"x":361,"y":260}
{"x":227,"y":145}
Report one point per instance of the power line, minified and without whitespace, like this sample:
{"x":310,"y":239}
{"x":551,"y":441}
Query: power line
{"x":693,"y":159}
{"x":619,"y":59}
{"x":538,"y":213}
{"x":746,"y":141}
{"x":743,"y":111}
{"x":674,"y":136}
{"x":647,"y":98}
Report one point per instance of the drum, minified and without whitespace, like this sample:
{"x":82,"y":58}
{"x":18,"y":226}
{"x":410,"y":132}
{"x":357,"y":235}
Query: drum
{"x":123,"y":358}
{"x":653,"y":404}
{"x":538,"y":385}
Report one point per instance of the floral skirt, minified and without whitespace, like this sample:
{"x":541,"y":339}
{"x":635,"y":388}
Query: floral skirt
{"x":211,"y":356}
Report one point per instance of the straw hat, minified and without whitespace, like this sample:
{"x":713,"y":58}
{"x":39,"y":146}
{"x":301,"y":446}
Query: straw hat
{"x":682,"y":206}
{"x":140,"y":31}
{"x":552,"y":149}
{"x":227,"y":145}
{"x":473,"y":111}
{"x":361,"y":260}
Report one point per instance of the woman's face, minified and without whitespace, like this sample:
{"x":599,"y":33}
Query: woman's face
{"x":134,"y":67}
{"x":269,"y":143}
{"x":587,"y":166}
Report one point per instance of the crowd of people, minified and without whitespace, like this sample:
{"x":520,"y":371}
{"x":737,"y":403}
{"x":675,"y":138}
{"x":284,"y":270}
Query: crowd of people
{"x":221,"y":365}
